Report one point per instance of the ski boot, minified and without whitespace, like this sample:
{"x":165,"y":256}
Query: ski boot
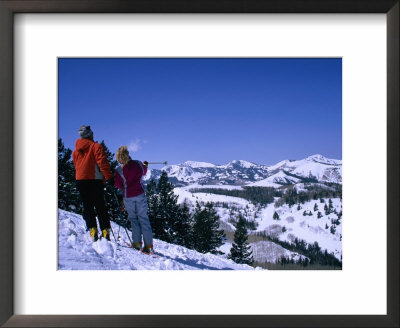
{"x":93,"y":234}
{"x":148,"y":250}
{"x":106,"y":234}
{"x":137,"y":246}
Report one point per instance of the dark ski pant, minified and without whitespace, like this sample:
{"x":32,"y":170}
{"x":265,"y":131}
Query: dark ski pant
{"x":92,"y":195}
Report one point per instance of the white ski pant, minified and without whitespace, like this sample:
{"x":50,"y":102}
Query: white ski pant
{"x":137,"y":215}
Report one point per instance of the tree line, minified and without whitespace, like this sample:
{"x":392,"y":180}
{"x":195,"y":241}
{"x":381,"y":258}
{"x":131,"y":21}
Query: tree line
{"x":313,"y":192}
{"x":256,"y":195}
{"x":312,"y":251}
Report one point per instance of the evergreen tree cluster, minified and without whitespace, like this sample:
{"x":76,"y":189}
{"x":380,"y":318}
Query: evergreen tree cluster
{"x":206,"y":234}
{"x":309,"y":213}
{"x":283,"y":260}
{"x":310,"y":179}
{"x":249,"y":224}
{"x":256,"y":195}
{"x":312,"y":251}
{"x":68,"y":195}
{"x":174,"y":223}
{"x":292,"y":197}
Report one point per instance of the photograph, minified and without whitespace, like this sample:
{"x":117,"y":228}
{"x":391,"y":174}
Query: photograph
{"x":206,"y":150}
{"x":199,"y":163}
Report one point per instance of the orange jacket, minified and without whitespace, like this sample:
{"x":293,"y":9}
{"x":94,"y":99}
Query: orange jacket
{"x":90,"y":161}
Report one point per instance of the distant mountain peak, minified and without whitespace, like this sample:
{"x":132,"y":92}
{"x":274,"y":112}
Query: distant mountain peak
{"x":243,"y":163}
{"x":195,"y":164}
{"x":322,"y":159}
{"x":317,"y":156}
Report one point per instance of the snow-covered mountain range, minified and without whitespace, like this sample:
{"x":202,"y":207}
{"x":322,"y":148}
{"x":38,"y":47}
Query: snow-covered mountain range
{"x":316,"y":168}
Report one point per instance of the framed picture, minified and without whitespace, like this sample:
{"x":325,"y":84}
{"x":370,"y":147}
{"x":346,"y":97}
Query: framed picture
{"x":46,"y":46}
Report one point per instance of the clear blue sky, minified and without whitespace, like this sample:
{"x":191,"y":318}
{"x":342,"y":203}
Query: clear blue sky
{"x":212,"y":110}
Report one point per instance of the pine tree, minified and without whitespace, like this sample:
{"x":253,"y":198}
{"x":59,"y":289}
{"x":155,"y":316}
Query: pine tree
{"x":110,"y":157}
{"x":326,"y":209}
{"x":68,"y":195}
{"x":330,"y":203}
{"x":241,"y":250}
{"x":152,"y":204}
{"x":276,"y":216}
{"x":315,"y":207}
{"x":167,"y":210}
{"x":200,"y":230}
{"x":206,"y":234}
{"x":319,"y":215}
{"x":183,"y":227}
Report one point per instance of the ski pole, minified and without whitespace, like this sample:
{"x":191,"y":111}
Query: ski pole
{"x":130,"y":240}
{"x":126,"y":230}
{"x":165,"y":163}
{"x":110,"y":222}
{"x":113,"y":232}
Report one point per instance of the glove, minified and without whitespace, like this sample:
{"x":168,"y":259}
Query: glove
{"x":146,"y":163}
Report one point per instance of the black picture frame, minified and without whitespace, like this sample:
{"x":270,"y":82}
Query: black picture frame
{"x":7,"y":201}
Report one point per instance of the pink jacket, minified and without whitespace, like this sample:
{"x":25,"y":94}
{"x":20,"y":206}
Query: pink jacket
{"x":128,"y":178}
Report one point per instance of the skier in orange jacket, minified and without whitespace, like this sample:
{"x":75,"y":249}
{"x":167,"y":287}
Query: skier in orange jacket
{"x":91,"y":170}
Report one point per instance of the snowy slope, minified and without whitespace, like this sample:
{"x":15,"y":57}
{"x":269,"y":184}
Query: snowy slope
{"x":308,"y":228}
{"x":324,"y":169}
{"x":275,"y":181}
{"x":266,"y":252}
{"x":78,"y":252}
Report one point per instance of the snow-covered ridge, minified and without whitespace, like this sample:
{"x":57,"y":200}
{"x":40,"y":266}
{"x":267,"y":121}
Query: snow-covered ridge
{"x":240,"y":172}
{"x":238,"y":163}
{"x":276,"y":180}
{"x":194,"y":164}
{"x":323,"y":160}
{"x":76,"y":251}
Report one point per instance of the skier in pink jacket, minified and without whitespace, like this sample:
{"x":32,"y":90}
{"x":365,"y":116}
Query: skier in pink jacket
{"x":128,"y":178}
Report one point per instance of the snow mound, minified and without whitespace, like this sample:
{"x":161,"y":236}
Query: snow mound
{"x":76,"y":251}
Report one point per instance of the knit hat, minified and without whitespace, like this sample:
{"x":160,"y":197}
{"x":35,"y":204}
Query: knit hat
{"x":85,"y":131}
